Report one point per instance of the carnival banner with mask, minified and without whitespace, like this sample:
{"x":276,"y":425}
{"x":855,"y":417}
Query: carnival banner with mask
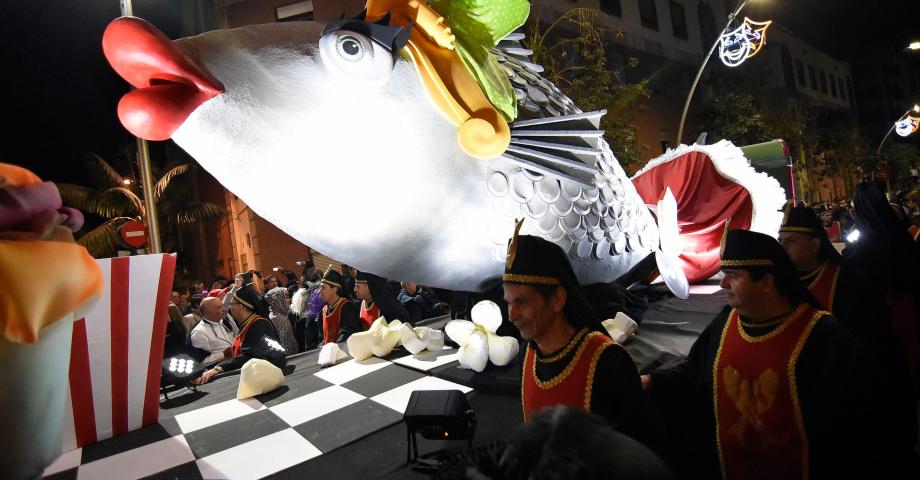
{"x":743,"y":42}
{"x":117,"y":350}
{"x":907,"y":125}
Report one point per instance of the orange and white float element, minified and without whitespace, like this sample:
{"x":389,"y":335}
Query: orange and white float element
{"x":46,"y":277}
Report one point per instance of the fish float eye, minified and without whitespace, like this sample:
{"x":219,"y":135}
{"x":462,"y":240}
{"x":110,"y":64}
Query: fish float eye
{"x":349,"y":48}
{"x":354,"y":57}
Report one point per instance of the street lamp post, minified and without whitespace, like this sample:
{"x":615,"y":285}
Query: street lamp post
{"x":915,"y":109}
{"x":699,"y":73}
{"x":143,"y":160}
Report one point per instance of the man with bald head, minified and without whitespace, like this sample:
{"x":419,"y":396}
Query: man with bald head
{"x":213,"y":333}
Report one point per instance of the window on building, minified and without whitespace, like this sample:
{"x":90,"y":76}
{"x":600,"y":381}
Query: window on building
{"x":295,"y":12}
{"x":648,"y":14}
{"x":800,"y":72}
{"x":823,"y":77}
{"x":678,"y":20}
{"x":788,"y":71}
{"x":843,"y":93}
{"x":707,"y":21}
{"x":891,"y":70}
{"x":833,"y":83}
{"x":612,"y":7}
{"x":850,"y":90}
{"x":894,"y":92}
{"x":812,"y":79}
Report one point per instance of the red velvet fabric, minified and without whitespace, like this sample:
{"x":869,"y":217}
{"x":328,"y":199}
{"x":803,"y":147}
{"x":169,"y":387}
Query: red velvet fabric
{"x":705,"y":200}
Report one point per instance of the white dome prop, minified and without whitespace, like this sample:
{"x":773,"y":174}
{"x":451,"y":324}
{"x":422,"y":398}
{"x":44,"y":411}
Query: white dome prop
{"x":257,"y":377}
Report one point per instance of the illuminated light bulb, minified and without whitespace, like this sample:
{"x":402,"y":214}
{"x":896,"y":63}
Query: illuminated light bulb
{"x":853,"y":236}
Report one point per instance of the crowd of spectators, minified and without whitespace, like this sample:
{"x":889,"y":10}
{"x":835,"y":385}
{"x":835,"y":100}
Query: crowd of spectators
{"x":200,"y":323}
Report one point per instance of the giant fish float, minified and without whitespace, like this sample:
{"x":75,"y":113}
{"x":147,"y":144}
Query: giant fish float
{"x":444,"y":133}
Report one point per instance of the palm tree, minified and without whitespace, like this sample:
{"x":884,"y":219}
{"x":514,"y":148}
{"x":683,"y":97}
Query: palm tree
{"x":114,"y":199}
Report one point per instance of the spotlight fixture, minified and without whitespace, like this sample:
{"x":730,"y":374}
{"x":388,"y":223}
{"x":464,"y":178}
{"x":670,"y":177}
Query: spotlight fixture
{"x":179,"y":370}
{"x":437,"y":415}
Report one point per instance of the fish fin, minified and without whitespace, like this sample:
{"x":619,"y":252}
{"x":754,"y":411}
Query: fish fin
{"x":566,"y":147}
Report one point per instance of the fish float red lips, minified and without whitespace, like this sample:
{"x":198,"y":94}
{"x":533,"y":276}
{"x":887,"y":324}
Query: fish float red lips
{"x":170,"y":85}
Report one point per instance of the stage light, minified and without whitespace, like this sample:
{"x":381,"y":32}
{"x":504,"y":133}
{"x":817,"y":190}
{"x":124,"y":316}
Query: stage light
{"x":853,"y":236}
{"x":437,"y":415}
{"x":179,"y":370}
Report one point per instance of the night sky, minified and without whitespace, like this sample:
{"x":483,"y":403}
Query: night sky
{"x":60,"y":96}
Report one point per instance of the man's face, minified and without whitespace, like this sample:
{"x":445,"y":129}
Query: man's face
{"x":270,"y":283}
{"x":237,"y":311}
{"x":212,"y":309}
{"x":743,"y":293}
{"x":328,"y":293}
{"x":362,"y":291}
{"x":411,"y":288}
{"x":174,"y":298}
{"x":802,"y":249}
{"x":529,"y":311}
{"x":197,"y":287}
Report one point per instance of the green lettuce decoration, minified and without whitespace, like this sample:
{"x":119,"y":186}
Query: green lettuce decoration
{"x":478,"y":26}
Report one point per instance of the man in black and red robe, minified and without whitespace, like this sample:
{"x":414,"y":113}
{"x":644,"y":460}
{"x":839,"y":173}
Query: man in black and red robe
{"x":257,"y":337}
{"x":340,"y":315}
{"x":774,"y":387}
{"x":377,"y":300}
{"x":569,"y":358}
{"x":859,"y":306}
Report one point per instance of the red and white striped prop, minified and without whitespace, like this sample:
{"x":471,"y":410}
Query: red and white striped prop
{"x":117,"y":351}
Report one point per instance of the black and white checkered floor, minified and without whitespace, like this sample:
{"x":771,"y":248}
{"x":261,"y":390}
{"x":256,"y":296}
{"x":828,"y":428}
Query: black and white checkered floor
{"x":341,"y":422}
{"x":216,"y":436}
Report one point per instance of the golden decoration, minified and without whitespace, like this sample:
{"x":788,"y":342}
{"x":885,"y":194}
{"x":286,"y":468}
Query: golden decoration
{"x":512,"y":248}
{"x":510,"y":277}
{"x":724,"y":237}
{"x":568,"y":348}
{"x":753,"y":400}
{"x":754,"y":262}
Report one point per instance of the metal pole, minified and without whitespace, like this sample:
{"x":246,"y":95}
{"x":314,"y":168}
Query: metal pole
{"x":699,"y":73}
{"x":150,"y":203}
{"x":143,"y":160}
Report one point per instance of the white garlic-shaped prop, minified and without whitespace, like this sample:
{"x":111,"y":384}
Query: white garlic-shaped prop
{"x":477,"y":339}
{"x":620,"y":328}
{"x":378,"y":340}
{"x":417,"y":339}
